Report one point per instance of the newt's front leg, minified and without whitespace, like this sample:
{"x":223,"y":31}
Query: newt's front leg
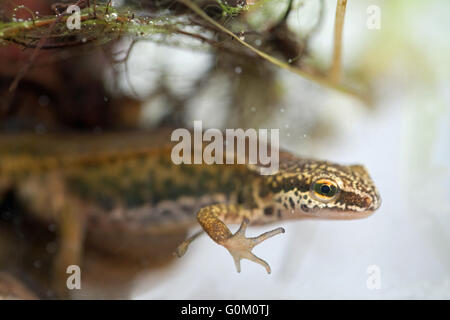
{"x":212,"y":219}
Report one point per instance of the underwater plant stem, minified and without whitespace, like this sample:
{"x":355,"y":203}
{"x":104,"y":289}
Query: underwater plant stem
{"x":321,"y":80}
{"x":24,"y":70}
{"x":335,"y":70}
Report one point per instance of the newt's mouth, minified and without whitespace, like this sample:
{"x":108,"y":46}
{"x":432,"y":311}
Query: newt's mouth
{"x":342,"y":214}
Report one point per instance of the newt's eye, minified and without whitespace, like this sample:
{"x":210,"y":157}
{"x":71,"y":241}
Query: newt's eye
{"x":324,"y":189}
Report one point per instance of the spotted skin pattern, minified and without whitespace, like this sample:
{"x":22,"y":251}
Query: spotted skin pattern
{"x":127,"y":182}
{"x":357,"y":195}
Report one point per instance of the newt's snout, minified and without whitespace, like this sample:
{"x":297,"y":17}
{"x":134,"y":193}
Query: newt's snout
{"x":374,"y":202}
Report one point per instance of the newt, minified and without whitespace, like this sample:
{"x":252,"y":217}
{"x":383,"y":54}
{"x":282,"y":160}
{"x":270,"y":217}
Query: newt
{"x":84,"y":183}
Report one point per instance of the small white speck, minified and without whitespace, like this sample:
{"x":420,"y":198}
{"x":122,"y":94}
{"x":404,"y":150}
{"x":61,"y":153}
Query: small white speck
{"x":40,"y":128}
{"x":51,"y":247}
{"x":43,"y":101}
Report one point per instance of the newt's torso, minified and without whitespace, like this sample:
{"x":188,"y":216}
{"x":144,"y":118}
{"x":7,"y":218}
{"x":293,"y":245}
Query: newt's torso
{"x":130,"y":180}
{"x":123,"y":179}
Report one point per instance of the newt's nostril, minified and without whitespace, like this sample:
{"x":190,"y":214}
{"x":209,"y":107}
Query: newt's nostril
{"x":367,"y":202}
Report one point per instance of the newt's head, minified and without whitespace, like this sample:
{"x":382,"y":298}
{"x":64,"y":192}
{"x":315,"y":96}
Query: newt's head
{"x":320,"y":189}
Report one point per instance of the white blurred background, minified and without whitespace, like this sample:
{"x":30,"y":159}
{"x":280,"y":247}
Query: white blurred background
{"x":403,"y":140}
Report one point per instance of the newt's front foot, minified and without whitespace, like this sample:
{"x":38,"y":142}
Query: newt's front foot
{"x":241,"y":247}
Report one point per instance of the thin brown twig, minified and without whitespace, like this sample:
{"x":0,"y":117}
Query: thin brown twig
{"x":33,"y":16}
{"x":125,"y":63}
{"x":107,"y":6}
{"x":24,"y":70}
{"x":66,"y":44}
{"x":217,"y":44}
{"x":335,"y":70}
{"x":324,"y":81}
{"x":127,"y":70}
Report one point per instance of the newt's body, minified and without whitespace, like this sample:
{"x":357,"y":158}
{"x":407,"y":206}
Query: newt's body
{"x":128,"y":182}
